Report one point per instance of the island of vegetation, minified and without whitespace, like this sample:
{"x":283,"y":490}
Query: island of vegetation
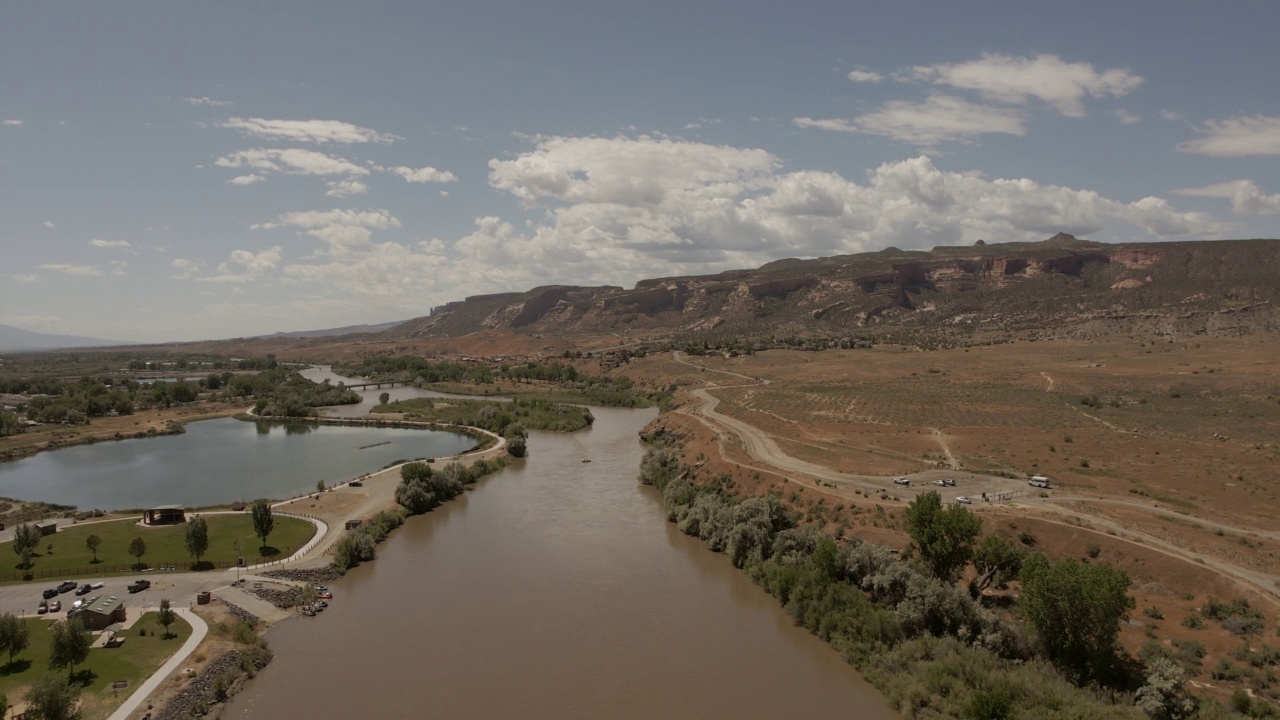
{"x":554,"y":381}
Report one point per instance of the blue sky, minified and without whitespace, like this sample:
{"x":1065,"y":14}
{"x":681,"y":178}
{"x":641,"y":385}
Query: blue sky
{"x":176,"y":171}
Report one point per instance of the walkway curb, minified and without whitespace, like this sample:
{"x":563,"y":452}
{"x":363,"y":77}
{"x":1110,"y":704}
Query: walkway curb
{"x":198,"y":630}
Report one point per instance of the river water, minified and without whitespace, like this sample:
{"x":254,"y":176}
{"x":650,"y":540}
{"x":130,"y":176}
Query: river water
{"x":554,"y":589}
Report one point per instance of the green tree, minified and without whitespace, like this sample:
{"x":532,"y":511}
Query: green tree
{"x":944,"y":537}
{"x":14,"y":635}
{"x":166,"y":617}
{"x":26,"y":538}
{"x":1076,"y":610}
{"x":68,"y":645}
{"x":138,"y":548}
{"x":384,"y":398}
{"x":517,"y":440}
{"x":9,"y":424}
{"x":197,"y":538}
{"x":262,"y":520}
{"x":52,"y":698}
{"x":997,"y":562}
{"x":92,"y":542}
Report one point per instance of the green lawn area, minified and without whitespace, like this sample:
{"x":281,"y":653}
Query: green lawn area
{"x":133,"y":662}
{"x":166,"y":546}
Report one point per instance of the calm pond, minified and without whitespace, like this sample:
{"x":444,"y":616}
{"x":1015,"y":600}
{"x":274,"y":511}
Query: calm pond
{"x":216,"y":462}
{"x":553,"y":589}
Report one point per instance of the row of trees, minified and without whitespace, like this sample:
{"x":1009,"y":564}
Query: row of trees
{"x":902,"y":618}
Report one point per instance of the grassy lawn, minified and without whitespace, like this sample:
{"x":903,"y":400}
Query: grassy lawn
{"x":132,"y":662}
{"x":166,"y":546}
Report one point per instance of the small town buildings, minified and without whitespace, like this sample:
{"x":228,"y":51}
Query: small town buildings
{"x":103,"y":612}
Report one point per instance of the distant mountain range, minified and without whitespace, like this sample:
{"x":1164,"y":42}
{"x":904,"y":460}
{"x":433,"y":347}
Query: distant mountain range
{"x":1061,"y":286}
{"x":13,"y":339}
{"x":334,"y":332}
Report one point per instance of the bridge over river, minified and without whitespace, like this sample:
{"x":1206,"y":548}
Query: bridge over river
{"x":378,"y":384}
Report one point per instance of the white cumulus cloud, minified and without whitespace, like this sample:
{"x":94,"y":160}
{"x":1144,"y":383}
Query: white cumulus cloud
{"x":346,"y":188}
{"x":315,"y":131}
{"x":10,"y":123}
{"x":344,"y":232}
{"x":1245,"y":197}
{"x":865,"y":76}
{"x":245,"y":266}
{"x":292,"y":161}
{"x":206,"y":102}
{"x":48,"y":223}
{"x":423,"y":174}
{"x":1245,"y":136}
{"x":249,"y":179}
{"x":69,"y":269}
{"x":1009,"y":79}
{"x":940,"y":118}
{"x":186,"y":267}
{"x":111,"y":244}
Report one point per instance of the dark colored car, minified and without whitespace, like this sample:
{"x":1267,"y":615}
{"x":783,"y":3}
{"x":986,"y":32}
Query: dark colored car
{"x":139,"y":586}
{"x":51,"y":592}
{"x":67,"y":586}
{"x":84,"y":589}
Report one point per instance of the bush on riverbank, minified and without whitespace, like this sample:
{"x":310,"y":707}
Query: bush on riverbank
{"x":422,"y":488}
{"x":360,"y":544}
{"x":931,"y":648}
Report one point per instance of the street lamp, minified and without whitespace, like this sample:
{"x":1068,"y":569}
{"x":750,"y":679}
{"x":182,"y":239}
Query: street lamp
{"x":239,"y":556}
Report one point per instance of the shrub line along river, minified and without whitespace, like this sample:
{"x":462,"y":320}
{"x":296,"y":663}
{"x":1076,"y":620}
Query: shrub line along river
{"x":554,"y":589}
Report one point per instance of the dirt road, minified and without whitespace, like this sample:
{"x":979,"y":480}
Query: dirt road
{"x":760,"y":446}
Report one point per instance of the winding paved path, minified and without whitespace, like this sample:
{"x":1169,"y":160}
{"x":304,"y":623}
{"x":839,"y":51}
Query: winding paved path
{"x":198,"y":630}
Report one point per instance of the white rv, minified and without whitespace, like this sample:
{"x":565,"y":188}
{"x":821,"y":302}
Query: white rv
{"x":1040,"y":481}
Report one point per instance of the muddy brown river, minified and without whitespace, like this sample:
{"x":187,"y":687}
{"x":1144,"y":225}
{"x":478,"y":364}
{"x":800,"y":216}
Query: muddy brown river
{"x":554,"y":589}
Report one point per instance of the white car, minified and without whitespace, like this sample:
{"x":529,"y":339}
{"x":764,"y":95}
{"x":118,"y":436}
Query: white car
{"x":901,"y":481}
{"x":964,"y":500}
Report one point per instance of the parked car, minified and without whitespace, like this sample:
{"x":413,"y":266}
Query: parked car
{"x":138,"y":586}
{"x":55,"y":605}
{"x":84,"y":589}
{"x":79,"y":604}
{"x":50,"y":592}
{"x":963,"y":499}
{"x":67,"y":586}
{"x":320,"y":588}
{"x":949,"y":482}
{"x":43,"y":607}
{"x":901,"y":481}
{"x":99,"y":585}
{"x":324,"y":595}
{"x":356,"y":483}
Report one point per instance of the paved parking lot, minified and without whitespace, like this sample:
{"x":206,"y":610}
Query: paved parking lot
{"x":179,"y":588}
